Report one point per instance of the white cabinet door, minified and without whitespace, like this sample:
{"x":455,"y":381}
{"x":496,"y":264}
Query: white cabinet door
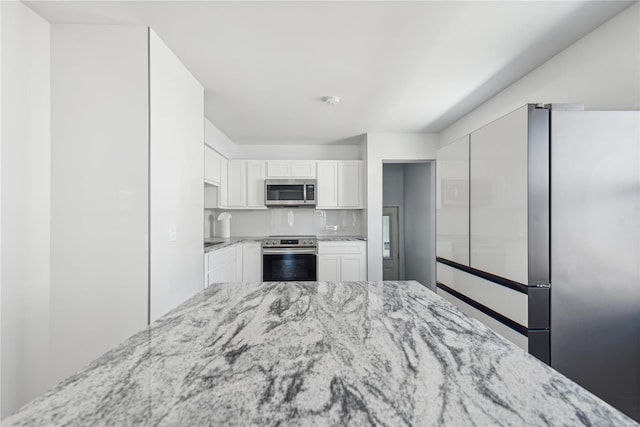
{"x":350,"y":184}
{"x":291,"y":169}
{"x":327,"y":184}
{"x":498,"y":186}
{"x":329,"y":268}
{"x":251,"y":262}
{"x":255,"y":184}
{"x":237,"y":184}
{"x":238,"y":263}
{"x":223,"y":265}
{"x":223,"y":273}
{"x":452,"y":201}
{"x":352,"y":267}
{"x":211,"y":166}
{"x":223,"y":192}
{"x":303,"y":169}
{"x":278,"y":169}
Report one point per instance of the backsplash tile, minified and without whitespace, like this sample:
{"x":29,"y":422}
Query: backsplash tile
{"x":286,"y":221}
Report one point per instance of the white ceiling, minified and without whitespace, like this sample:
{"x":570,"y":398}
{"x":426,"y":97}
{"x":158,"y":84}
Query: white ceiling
{"x":398,"y":66}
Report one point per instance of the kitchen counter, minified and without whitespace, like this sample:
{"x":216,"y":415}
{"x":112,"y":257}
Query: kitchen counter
{"x":387,"y":353}
{"x":226,"y":242}
{"x":230,"y":241}
{"x":341,"y":238}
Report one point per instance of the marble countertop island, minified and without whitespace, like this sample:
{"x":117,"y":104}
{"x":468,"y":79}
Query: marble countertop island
{"x":317,"y":354}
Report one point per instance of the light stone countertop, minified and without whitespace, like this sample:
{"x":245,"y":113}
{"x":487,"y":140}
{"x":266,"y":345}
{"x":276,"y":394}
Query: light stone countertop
{"x":235,"y":240}
{"x":317,"y":354}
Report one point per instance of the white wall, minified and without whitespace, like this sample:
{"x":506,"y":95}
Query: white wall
{"x":99,"y":190}
{"x":176,"y":180}
{"x":25,"y":155}
{"x":388,"y":147}
{"x":393,"y":184}
{"x":601,"y":71}
{"x":217,"y":140}
{"x":419,"y":223}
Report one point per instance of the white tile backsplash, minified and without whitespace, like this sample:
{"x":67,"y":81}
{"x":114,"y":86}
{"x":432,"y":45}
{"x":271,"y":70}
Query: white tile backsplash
{"x":286,"y":221}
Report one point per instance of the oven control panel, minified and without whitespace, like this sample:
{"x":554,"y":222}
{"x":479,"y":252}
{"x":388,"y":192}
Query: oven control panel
{"x":289,"y":242}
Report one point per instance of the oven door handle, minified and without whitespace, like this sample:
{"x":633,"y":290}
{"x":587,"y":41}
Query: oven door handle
{"x":282,"y":251}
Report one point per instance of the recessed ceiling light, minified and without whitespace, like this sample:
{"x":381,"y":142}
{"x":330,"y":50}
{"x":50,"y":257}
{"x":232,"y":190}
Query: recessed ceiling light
{"x":331,"y":100}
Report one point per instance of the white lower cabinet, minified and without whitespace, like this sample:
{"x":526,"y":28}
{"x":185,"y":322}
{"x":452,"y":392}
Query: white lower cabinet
{"x":329,"y":268}
{"x":237,"y":263}
{"x":221,"y":266}
{"x":342,"y":261}
{"x":251,"y":262}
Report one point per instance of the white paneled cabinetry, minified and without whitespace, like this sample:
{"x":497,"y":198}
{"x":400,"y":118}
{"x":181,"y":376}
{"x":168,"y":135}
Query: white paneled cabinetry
{"x":498,"y":182}
{"x":255,"y":184}
{"x":291,"y":169}
{"x":241,"y":262}
{"x":237,"y":184}
{"x":342,"y":261}
{"x":212,"y":166}
{"x":245,"y":184}
{"x":223,"y":191}
{"x":340,"y":184}
{"x":252,"y":262}
{"x":484,"y":220}
{"x":452,"y":201}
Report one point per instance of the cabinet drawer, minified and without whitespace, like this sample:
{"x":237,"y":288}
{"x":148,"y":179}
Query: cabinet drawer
{"x":352,"y":248}
{"x":507,"y":302}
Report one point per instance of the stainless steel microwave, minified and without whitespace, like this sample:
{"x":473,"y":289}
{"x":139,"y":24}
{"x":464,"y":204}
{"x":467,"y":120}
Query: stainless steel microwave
{"x":290,"y":192}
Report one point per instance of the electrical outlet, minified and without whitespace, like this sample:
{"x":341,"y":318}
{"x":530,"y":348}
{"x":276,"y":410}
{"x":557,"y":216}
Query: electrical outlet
{"x":172,"y":232}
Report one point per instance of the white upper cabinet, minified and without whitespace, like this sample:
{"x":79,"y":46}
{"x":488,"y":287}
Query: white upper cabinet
{"x":255,"y":184}
{"x":350,"y":184}
{"x":452,"y":201}
{"x":223,"y":192}
{"x":291,"y":169}
{"x":245,"y":185}
{"x":340,"y":184}
{"x":327,"y":184}
{"x":237,"y":184}
{"x":212,"y":166}
{"x":498,"y":187}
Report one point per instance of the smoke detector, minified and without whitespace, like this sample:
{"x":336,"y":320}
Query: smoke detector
{"x":331,"y":100}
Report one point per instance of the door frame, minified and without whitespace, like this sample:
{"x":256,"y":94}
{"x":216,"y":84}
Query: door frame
{"x":400,"y":238}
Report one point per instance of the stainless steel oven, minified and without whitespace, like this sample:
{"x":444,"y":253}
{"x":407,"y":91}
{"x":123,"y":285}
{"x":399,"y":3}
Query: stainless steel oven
{"x":289,"y":259}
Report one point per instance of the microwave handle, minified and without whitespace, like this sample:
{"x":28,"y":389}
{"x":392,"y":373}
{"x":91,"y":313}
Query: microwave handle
{"x":304,"y":192}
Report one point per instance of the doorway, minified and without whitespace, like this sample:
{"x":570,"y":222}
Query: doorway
{"x":408,"y":222}
{"x":390,"y":243}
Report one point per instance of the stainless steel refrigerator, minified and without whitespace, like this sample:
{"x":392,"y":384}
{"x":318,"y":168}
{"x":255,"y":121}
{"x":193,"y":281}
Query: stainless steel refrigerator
{"x":595,"y":252}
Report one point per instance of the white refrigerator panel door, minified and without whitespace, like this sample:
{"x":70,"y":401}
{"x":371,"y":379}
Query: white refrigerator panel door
{"x":452,"y":201}
{"x":498,"y":189}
